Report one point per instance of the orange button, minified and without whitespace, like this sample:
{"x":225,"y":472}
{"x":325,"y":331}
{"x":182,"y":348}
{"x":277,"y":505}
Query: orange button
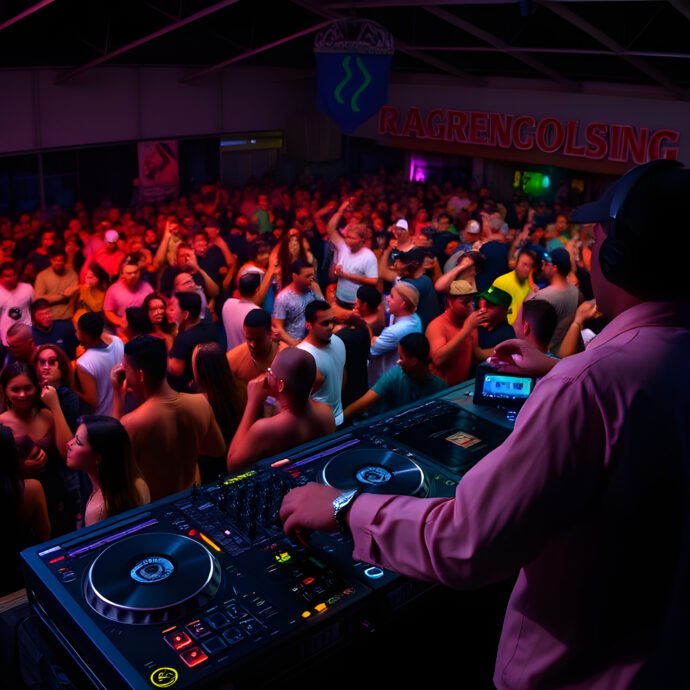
{"x":193,"y":657}
{"x":178,"y":640}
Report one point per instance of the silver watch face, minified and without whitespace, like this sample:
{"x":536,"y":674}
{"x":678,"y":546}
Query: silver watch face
{"x":342,"y":500}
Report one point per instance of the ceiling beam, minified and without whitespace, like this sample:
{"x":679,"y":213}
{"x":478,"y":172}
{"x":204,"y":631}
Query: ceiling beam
{"x":499,"y":43}
{"x":616,"y":49}
{"x":371,"y":4}
{"x":550,"y":51}
{"x":249,"y":53}
{"x":66,"y":76}
{"x":26,"y":13}
{"x":683,"y":6}
{"x":400,"y":46}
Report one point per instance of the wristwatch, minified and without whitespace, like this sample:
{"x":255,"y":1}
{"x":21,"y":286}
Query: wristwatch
{"x":341,"y":505}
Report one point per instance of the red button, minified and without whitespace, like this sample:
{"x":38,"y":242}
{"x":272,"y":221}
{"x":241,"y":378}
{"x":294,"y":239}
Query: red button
{"x":193,"y":657}
{"x":178,"y":640}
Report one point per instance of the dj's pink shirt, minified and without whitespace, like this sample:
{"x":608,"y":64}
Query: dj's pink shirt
{"x":584,"y":499}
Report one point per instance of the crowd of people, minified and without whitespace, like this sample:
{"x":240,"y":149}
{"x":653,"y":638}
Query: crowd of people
{"x":147,"y":348}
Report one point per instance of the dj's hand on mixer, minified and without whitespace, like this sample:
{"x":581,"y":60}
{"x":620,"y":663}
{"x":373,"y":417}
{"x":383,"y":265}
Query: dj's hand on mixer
{"x":253,"y":503}
{"x":237,"y":511}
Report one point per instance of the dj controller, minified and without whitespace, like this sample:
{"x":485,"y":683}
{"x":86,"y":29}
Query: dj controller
{"x":204,"y":589}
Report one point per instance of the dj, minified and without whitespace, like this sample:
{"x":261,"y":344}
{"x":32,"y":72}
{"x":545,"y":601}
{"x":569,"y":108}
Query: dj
{"x":589,"y":497}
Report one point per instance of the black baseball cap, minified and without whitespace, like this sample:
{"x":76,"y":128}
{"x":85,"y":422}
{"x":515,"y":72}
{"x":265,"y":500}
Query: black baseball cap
{"x":559,"y":258}
{"x":664,"y":183}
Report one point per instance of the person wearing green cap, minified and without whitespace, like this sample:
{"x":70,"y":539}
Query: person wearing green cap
{"x":496,"y":305}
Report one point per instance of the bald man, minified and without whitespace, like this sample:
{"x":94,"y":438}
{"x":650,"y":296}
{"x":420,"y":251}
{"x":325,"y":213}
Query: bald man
{"x":20,"y":344}
{"x":290,"y":379}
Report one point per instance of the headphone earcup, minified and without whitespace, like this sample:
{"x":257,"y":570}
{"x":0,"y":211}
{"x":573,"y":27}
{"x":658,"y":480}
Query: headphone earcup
{"x":612,"y":263}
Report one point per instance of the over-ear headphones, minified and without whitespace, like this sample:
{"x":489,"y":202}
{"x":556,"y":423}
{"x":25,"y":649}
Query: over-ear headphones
{"x":623,"y":253}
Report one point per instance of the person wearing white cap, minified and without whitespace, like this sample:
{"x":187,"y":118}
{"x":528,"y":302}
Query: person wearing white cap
{"x":109,"y":257}
{"x":402,"y":305}
{"x":401,"y":234}
{"x":355,"y":264}
{"x":400,"y":244}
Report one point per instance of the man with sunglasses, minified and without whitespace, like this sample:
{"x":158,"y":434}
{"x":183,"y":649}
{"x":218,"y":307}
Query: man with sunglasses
{"x":329,"y":354}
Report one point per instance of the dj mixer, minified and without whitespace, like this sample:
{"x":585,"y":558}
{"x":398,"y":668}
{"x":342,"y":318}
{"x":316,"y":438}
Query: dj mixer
{"x":203,"y":587}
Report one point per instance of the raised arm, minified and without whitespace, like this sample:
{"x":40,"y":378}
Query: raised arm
{"x":443,"y":283}
{"x":271,"y":270}
{"x":385,"y":272}
{"x":159,"y":260}
{"x":210,"y":286}
{"x":572,"y":341}
{"x":62,"y":432}
{"x":442,"y":351}
{"x":332,"y":225}
{"x":247,"y":443}
{"x":519,"y":240}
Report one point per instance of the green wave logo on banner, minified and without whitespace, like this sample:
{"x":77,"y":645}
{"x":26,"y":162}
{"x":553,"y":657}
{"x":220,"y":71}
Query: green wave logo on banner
{"x":353,"y":61}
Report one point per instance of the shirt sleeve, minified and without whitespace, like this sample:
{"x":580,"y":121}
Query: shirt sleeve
{"x":506,"y":509}
{"x":110,"y":302}
{"x":383,"y":382}
{"x":386,"y":342}
{"x":279,"y":310}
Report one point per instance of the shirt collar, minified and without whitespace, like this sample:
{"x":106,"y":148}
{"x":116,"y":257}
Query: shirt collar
{"x":672,"y":313}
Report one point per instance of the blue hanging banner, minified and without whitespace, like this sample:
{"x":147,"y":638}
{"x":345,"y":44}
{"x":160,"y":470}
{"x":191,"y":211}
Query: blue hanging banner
{"x":353,"y":60}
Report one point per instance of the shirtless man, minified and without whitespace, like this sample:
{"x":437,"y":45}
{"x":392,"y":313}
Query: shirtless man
{"x":169,"y":430}
{"x":452,"y":335}
{"x":300,"y":419}
{"x":254,"y":356}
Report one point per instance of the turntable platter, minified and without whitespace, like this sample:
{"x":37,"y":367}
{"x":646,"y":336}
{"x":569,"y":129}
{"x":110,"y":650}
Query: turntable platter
{"x":375,"y":471}
{"x":150,"y":578}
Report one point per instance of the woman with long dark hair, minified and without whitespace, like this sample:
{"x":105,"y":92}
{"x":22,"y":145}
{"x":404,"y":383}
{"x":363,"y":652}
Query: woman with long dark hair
{"x":292,"y":246}
{"x":214,"y":379}
{"x":101,"y":448}
{"x":53,"y":369}
{"x":23,"y":510}
{"x":34,"y":416}
{"x":91,"y":291}
{"x":154,"y":306}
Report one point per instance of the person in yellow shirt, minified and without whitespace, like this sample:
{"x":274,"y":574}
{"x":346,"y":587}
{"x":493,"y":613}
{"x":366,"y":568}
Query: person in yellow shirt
{"x":516,"y":283}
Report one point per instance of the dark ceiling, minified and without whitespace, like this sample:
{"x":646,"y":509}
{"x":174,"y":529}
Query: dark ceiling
{"x":566,"y":42}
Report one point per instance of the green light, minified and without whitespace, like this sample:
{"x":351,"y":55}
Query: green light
{"x":535,"y":183}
